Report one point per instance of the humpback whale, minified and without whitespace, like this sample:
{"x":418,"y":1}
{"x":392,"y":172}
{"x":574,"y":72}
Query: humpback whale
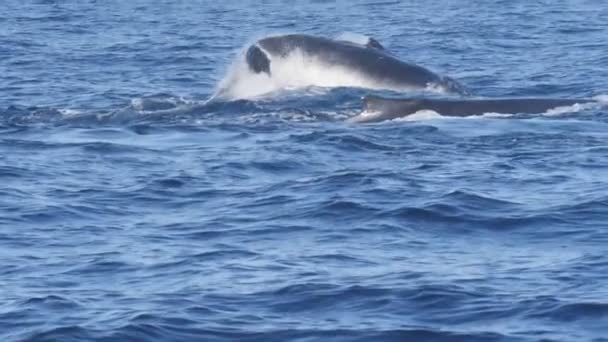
{"x":366,"y":65}
{"x":378,"y":108}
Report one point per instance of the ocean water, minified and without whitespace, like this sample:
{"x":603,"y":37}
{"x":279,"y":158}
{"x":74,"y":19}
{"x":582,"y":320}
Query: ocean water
{"x":131,"y":209}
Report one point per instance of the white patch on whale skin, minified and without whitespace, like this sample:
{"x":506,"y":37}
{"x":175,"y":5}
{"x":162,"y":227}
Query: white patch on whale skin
{"x":297,"y":70}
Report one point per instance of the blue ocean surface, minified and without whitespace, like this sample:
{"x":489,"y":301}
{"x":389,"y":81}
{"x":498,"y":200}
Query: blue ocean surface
{"x":134,"y":209}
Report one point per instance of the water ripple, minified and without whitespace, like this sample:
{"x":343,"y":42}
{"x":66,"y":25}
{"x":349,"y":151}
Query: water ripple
{"x":135,"y":206}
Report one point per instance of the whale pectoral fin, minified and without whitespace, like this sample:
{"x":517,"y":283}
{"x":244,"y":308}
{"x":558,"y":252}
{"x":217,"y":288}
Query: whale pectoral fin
{"x":257,"y":60}
{"x":374,"y":44}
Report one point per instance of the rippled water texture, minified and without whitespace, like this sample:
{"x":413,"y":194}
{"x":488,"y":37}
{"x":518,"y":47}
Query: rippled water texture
{"x":133,"y":210}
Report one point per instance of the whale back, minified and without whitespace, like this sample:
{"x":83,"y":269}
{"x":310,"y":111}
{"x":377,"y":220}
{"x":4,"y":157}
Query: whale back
{"x":377,"y":108}
{"x":366,"y":64}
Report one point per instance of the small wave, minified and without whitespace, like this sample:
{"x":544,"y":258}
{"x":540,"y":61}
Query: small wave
{"x":347,"y":210}
{"x":51,"y":303}
{"x":471,"y":212}
{"x":593,"y":210}
{"x":341,"y":260}
{"x":187,"y":331}
{"x":157,"y":109}
{"x":551,"y":308}
{"x":17,"y":115}
{"x":316,"y":296}
{"x":603,"y":98}
{"x":64,"y":333}
{"x":98,"y":267}
{"x":580,"y":311}
{"x":224,"y":254}
{"x":494,"y":115}
{"x":358,"y":143}
{"x":478,"y":201}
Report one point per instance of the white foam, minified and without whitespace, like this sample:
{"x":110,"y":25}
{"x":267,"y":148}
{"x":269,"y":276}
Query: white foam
{"x":421,"y":115}
{"x":239,"y":82}
{"x":137,"y":103}
{"x":492,"y":115}
{"x":157,"y":103}
{"x":69,"y":112}
{"x":602,"y":99}
{"x":575,"y":108}
{"x":427,"y":114}
{"x":297,"y":70}
{"x":371,"y":116}
{"x":364,"y":116}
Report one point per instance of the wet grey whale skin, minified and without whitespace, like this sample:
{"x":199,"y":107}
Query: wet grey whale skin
{"x":370,"y":60}
{"x":376,"y":108}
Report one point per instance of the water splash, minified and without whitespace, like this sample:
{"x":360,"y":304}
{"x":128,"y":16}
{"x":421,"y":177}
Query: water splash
{"x":300,"y":70}
{"x":297,"y":70}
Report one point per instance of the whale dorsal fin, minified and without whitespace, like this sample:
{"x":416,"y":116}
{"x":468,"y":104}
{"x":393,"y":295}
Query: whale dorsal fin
{"x":374,"y":44}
